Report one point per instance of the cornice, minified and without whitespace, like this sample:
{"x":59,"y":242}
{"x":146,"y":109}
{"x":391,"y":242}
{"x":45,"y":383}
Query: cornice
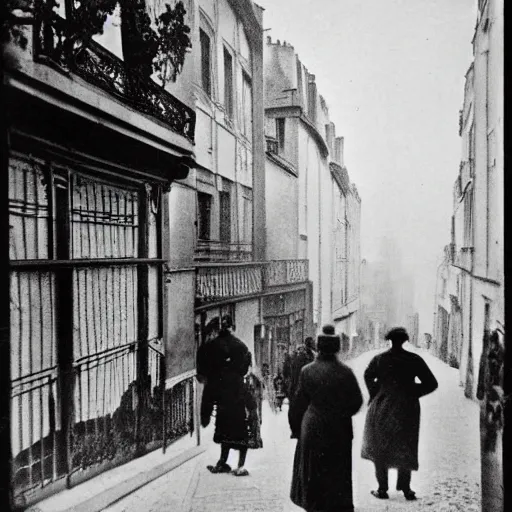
{"x":316,"y":134}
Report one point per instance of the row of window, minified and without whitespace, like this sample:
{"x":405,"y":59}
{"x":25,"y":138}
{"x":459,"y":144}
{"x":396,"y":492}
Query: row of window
{"x":230,"y":99}
{"x":204,"y":217}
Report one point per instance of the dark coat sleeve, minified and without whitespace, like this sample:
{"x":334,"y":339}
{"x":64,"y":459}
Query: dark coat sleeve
{"x":427,"y":379}
{"x":354,"y":399}
{"x":298,"y":407}
{"x":371,"y":378}
{"x":287,"y":370}
{"x":242,"y":358}
{"x":202,"y":361}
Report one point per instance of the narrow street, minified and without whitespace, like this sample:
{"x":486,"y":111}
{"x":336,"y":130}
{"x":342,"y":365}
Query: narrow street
{"x":448,"y":479}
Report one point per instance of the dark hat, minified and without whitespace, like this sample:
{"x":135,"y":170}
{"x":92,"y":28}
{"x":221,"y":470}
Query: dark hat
{"x":328,"y":342}
{"x":309,"y":342}
{"x":397,"y":335}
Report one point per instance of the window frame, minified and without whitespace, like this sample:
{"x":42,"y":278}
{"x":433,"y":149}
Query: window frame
{"x":229,"y":99}
{"x":281,"y":133}
{"x":209,"y":199}
{"x":246,"y":107}
{"x":206,"y":79}
{"x":225,"y":216}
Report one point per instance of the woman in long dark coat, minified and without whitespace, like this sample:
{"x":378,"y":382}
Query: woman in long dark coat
{"x":222,"y":364}
{"x":320,"y":417}
{"x":392,"y":426}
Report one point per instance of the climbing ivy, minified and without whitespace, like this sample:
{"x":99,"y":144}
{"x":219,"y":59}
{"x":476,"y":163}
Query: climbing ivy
{"x":149,"y":46}
{"x":173,"y":42}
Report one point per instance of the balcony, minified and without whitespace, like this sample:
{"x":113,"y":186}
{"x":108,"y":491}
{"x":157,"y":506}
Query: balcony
{"x":55,"y":44}
{"x":217,"y":251}
{"x":217,"y":282}
{"x":464,"y":258}
{"x":284,"y":272}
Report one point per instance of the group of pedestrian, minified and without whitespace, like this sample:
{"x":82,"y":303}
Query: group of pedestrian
{"x":323,"y":396}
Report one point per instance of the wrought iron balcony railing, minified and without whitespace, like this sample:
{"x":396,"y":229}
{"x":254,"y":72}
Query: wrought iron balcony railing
{"x":215,"y":250}
{"x":282,"y":272}
{"x":55,"y":45}
{"x":218,"y":282}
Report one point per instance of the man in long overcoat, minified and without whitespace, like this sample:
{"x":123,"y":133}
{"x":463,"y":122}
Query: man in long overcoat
{"x":302,"y":356}
{"x":222,"y":364}
{"x":320,"y":417}
{"x":392,"y":425}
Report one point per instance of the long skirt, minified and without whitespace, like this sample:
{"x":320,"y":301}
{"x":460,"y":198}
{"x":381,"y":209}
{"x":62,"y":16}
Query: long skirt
{"x":237,"y":422}
{"x":322,"y":474}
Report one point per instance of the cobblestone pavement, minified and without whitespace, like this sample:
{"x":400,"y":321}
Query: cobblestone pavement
{"x":448,"y":479}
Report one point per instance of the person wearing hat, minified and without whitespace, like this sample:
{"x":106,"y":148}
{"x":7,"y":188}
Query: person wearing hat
{"x":302,"y":356}
{"x":320,"y":417}
{"x":391,"y":431}
{"x":222,"y":364}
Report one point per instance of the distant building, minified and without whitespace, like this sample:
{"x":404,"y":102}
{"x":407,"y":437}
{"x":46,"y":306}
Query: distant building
{"x":474,"y":268}
{"x":95,"y":143}
{"x":319,"y":218}
{"x":387,"y":296}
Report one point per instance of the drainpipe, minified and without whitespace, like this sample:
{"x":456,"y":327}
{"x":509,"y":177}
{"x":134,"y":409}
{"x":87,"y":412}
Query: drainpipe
{"x":320,"y":301}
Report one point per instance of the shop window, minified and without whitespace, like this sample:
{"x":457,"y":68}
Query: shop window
{"x":81,"y":336}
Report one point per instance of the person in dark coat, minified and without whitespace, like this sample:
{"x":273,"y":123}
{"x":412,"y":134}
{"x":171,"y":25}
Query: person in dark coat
{"x":391,"y":431}
{"x":302,"y":356}
{"x":280,"y":390}
{"x":222,"y":364}
{"x":320,"y":417}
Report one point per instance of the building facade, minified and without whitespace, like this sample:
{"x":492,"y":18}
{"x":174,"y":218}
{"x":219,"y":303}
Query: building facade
{"x":387,"y":298}
{"x":476,"y":259}
{"x":95,"y":141}
{"x":223,"y":262}
{"x":320,"y":217}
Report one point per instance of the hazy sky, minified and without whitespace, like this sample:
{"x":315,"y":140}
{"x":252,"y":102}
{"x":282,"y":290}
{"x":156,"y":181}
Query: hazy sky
{"x":392,"y":73}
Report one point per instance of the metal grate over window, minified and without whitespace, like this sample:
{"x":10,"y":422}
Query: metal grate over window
{"x":87,"y":379}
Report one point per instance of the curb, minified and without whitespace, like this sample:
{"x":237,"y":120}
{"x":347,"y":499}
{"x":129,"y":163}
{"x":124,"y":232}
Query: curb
{"x":108,"y":497}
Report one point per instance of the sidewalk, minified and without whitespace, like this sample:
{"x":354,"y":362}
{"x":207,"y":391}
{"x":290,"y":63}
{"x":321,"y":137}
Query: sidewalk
{"x":192,"y":488}
{"x":448,"y":479}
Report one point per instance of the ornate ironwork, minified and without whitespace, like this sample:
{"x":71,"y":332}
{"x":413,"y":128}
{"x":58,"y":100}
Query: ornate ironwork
{"x":282,"y":272}
{"x":55,"y":44}
{"x":216,"y":282}
{"x":228,"y":281}
{"x":215,"y":250}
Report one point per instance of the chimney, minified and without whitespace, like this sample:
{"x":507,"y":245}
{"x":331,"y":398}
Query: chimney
{"x":330,"y":139}
{"x":269,"y":39}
